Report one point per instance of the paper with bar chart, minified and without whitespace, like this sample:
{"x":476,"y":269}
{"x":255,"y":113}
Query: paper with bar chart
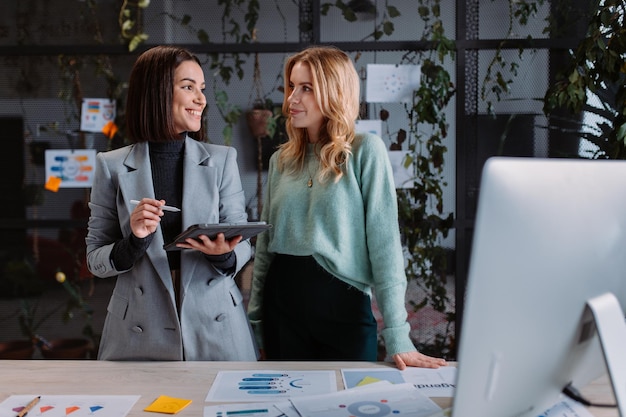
{"x":270,"y":385}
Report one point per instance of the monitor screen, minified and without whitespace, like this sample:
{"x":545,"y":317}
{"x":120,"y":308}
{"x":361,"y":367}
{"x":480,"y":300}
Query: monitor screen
{"x":550,"y":234}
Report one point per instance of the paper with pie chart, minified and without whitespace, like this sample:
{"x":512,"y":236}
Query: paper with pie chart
{"x":70,"y":405}
{"x":379,"y":399}
{"x":269,"y":385}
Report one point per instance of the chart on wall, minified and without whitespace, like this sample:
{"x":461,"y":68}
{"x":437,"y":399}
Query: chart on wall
{"x":70,"y":405}
{"x":269,"y":385}
{"x":69,"y":168}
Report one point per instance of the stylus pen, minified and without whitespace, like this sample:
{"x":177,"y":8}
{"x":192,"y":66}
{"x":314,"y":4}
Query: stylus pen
{"x":164,"y":208}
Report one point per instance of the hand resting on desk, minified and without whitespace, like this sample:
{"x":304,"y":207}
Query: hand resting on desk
{"x":417,"y":359}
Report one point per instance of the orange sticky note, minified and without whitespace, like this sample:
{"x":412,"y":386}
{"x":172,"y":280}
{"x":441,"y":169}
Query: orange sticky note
{"x":53,"y":184}
{"x":167,"y":405}
{"x":109,"y":129}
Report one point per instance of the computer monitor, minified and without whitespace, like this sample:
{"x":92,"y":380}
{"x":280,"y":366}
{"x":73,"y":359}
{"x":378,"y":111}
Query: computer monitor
{"x":550,"y":235}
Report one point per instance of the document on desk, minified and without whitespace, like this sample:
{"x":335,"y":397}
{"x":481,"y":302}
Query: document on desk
{"x":76,"y":405}
{"x":377,"y":399}
{"x":269,"y":385}
{"x":567,"y":408}
{"x":438,"y":382}
{"x":250,"y":410}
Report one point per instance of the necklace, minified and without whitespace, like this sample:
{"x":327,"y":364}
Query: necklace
{"x":309,"y":183}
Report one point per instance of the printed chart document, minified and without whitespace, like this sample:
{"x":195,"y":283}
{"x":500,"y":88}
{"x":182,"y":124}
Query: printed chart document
{"x":376,"y":399}
{"x":567,"y":408}
{"x":74,"y":405}
{"x":269,"y":385}
{"x":438,"y":382}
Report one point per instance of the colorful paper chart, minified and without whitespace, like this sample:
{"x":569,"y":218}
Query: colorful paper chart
{"x":70,"y":405}
{"x":69,"y":168}
{"x":96,"y":113}
{"x":269,"y":385}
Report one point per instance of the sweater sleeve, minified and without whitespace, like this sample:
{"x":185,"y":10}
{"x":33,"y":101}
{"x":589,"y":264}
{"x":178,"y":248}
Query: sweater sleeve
{"x":384,"y":245}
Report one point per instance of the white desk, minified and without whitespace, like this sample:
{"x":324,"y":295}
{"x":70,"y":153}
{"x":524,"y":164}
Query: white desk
{"x":178,"y":379}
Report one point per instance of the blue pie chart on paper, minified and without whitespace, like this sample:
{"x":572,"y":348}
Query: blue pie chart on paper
{"x":294,"y":383}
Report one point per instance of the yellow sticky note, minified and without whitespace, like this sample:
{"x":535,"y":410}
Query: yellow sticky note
{"x":53,"y":184}
{"x":367,"y":380}
{"x":168,"y":405}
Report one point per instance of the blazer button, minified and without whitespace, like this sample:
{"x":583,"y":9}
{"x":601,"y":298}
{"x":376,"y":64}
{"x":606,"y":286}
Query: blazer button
{"x":221,"y":317}
{"x":139,"y":291}
{"x":137,"y":329}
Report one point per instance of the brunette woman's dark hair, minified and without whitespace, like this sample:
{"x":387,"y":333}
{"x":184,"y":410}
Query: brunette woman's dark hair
{"x":150,"y":95}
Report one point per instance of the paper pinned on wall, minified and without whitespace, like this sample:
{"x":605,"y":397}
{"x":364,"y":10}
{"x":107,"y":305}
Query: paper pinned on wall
{"x":96,"y":113}
{"x":391,"y":83}
{"x":69,"y":168}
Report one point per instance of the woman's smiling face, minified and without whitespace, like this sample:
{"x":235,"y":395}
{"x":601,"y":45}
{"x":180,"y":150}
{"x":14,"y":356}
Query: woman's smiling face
{"x":188,"y":99}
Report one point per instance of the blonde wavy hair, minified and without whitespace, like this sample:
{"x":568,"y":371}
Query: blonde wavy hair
{"x":336,"y":87}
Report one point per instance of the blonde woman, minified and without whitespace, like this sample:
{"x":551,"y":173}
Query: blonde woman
{"x":331,"y":199}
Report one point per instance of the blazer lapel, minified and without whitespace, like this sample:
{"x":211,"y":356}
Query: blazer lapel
{"x":136,"y":184}
{"x":198,"y":198}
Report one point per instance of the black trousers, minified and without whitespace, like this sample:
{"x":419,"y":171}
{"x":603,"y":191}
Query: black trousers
{"x":308,"y":314}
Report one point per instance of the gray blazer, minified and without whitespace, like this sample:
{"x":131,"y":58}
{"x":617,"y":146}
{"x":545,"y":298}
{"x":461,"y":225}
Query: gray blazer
{"x":142,"y":321}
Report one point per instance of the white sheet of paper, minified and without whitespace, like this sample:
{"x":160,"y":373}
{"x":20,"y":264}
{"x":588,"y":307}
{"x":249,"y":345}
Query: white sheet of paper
{"x":567,"y":408}
{"x":389,"y":83}
{"x":438,"y":382}
{"x":287,"y":408}
{"x":269,"y":385}
{"x":386,"y":399}
{"x":248,"y":410}
{"x":74,"y":405}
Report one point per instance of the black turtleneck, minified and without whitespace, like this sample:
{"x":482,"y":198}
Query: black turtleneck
{"x":166,"y":161}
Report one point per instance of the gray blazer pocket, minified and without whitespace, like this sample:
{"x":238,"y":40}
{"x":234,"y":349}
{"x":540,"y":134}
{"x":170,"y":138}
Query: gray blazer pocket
{"x":118,"y":306}
{"x":236,"y":295}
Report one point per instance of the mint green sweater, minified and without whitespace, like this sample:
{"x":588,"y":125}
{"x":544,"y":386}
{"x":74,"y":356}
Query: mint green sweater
{"x":349,"y":227}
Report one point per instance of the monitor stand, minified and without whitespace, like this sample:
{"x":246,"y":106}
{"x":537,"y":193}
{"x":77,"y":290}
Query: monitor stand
{"x":611,"y":327}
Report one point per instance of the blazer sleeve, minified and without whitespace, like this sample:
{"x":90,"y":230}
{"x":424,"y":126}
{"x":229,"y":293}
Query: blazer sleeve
{"x":103,"y":226}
